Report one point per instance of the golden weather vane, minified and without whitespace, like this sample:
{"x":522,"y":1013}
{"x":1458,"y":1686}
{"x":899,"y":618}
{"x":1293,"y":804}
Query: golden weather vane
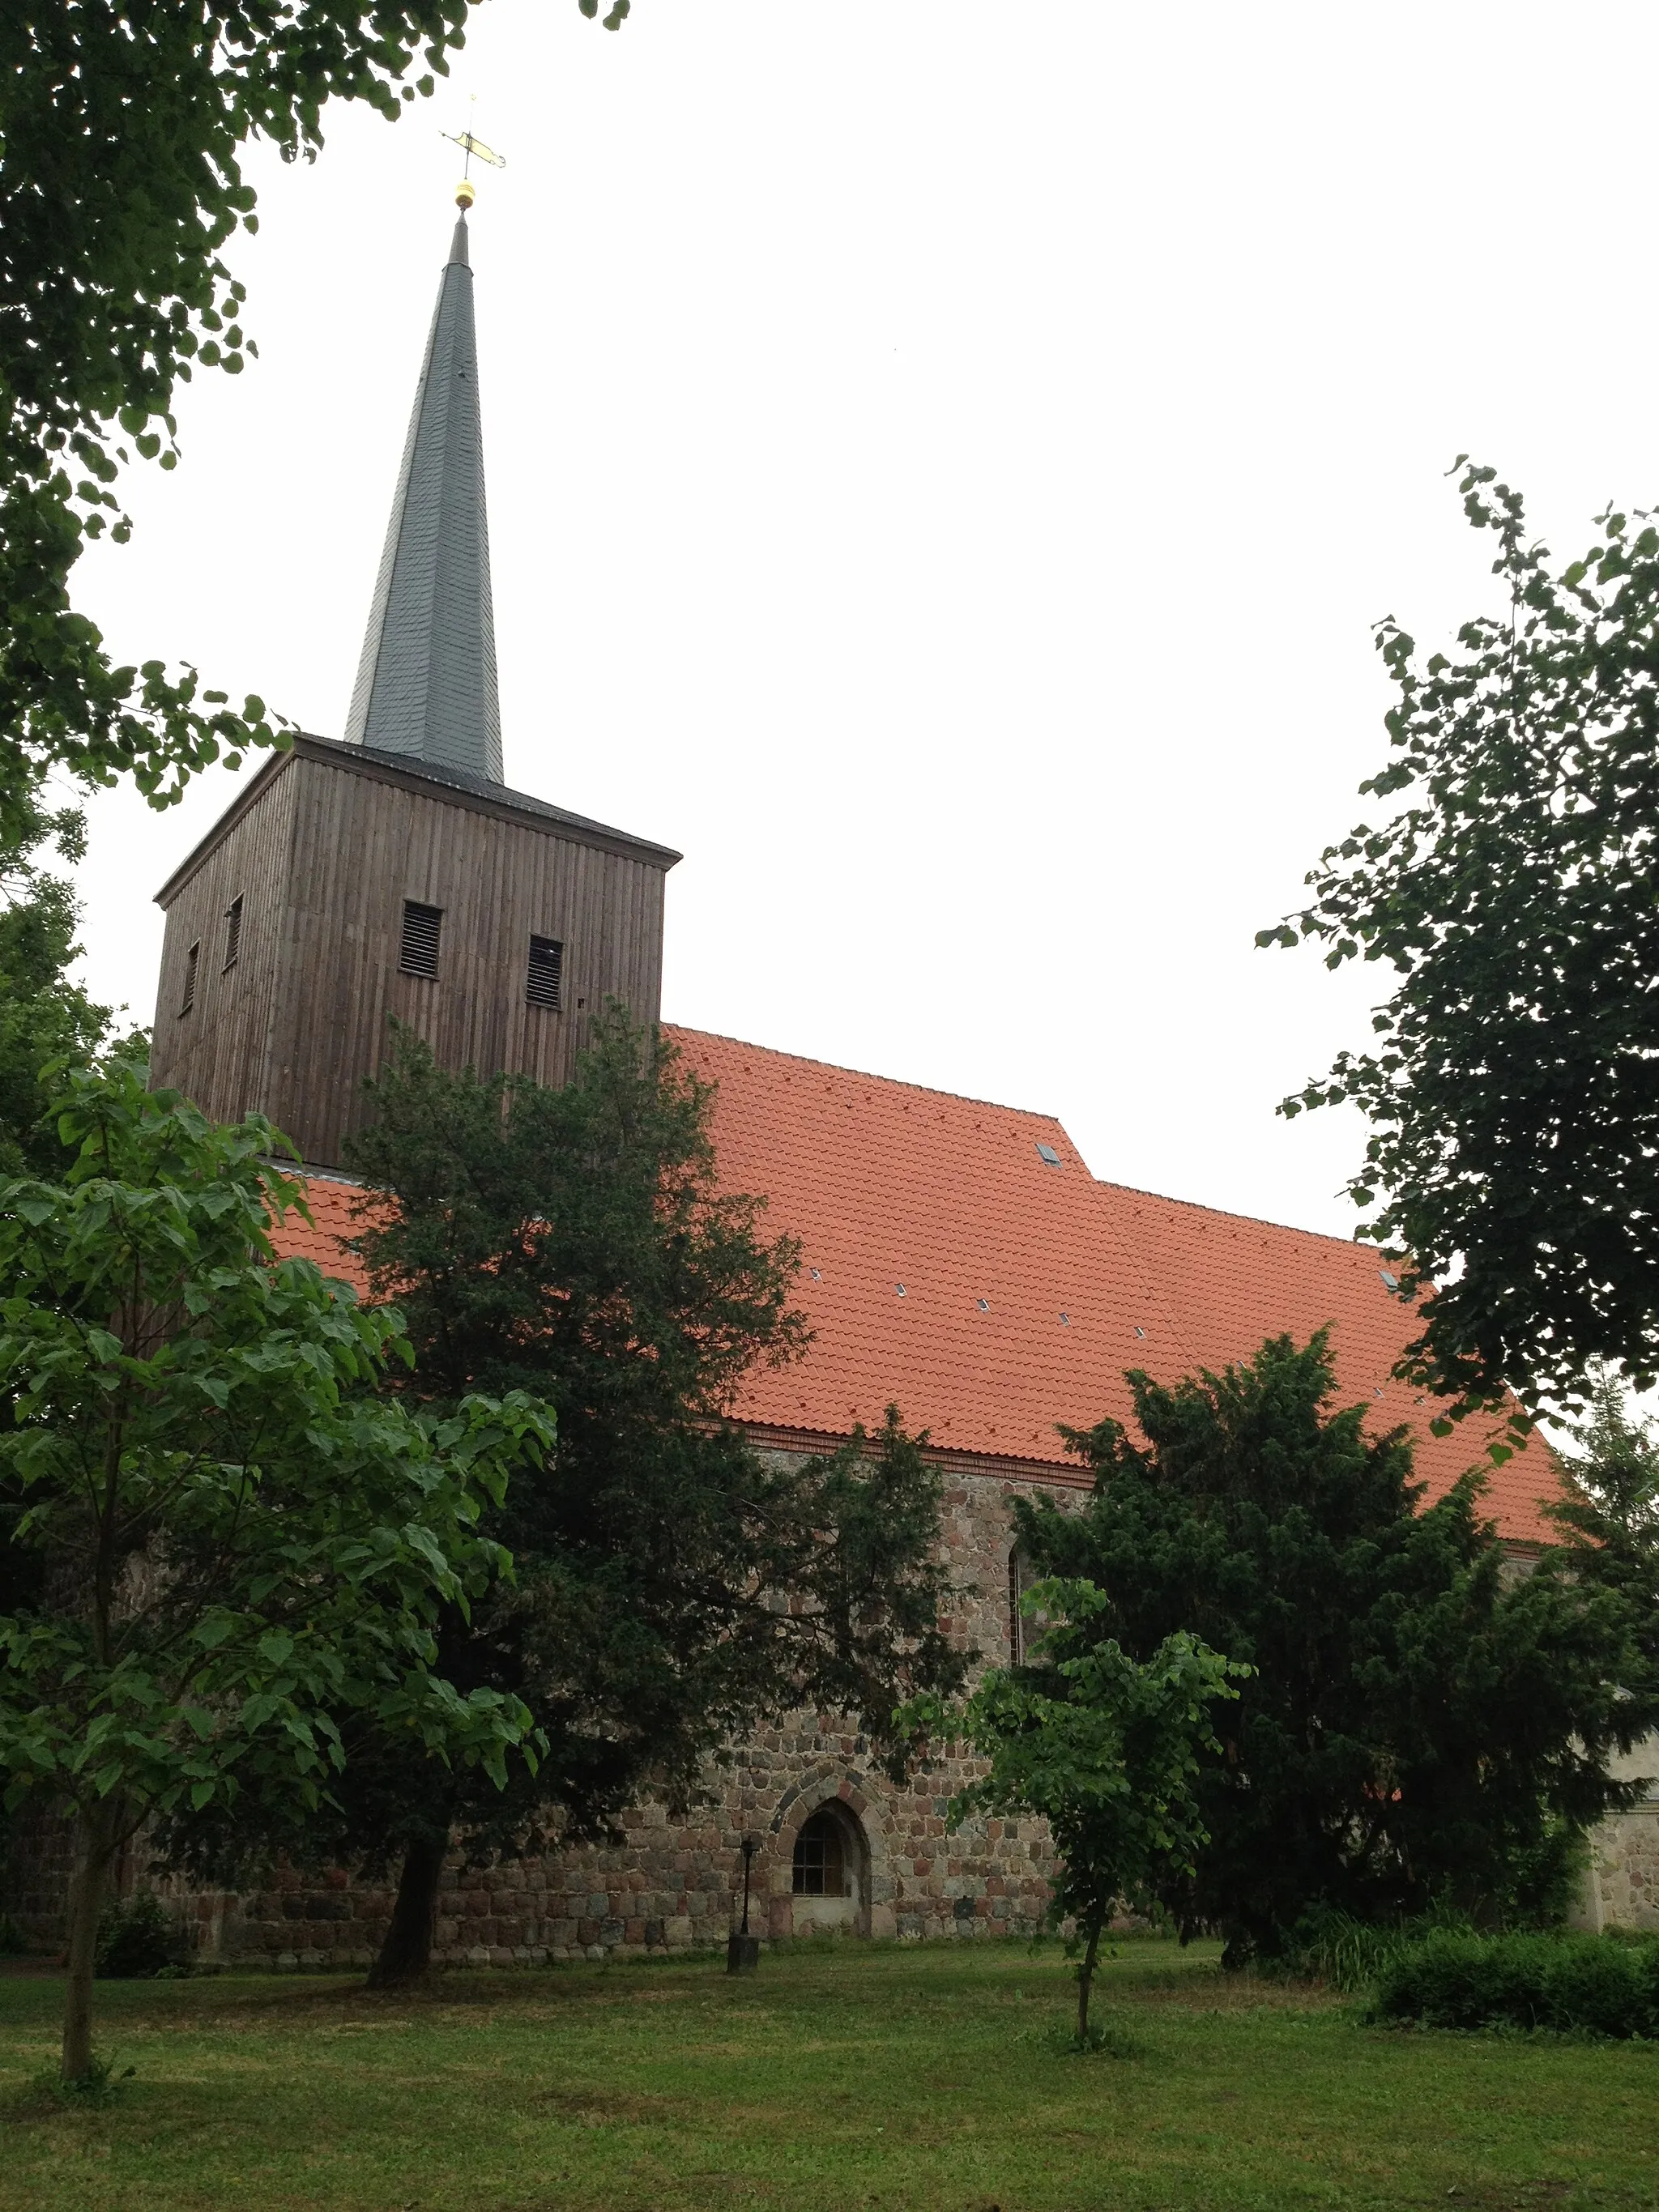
{"x":465,"y":192}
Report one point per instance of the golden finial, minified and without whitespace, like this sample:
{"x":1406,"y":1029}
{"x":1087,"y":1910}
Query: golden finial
{"x":466,"y":193}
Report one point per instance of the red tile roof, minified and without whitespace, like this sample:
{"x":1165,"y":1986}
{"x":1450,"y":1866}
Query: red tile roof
{"x":1238,"y":1281}
{"x":1028,"y":1288}
{"x":949,"y":1268}
{"x":332,"y":1206}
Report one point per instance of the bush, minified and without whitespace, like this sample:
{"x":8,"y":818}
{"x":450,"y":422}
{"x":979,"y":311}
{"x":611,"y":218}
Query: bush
{"x":137,"y":1943}
{"x":1584,"y":1984}
{"x":1333,"y":1946}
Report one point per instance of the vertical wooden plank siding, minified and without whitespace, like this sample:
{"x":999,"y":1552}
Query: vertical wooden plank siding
{"x":324,"y":857}
{"x":217,"y":1052}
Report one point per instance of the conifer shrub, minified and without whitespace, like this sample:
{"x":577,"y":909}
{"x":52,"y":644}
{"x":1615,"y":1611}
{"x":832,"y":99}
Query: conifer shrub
{"x":1584,"y":1985}
{"x":1417,"y":1725}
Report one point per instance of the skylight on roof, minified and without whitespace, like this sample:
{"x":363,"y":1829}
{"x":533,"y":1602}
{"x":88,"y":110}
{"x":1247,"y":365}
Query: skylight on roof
{"x":1048,"y":1156}
{"x":1390,"y":1280}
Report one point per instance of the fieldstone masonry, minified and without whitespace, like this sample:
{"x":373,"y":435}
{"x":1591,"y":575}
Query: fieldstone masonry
{"x":671,"y":1885}
{"x":675,"y":1885}
{"x":1621,"y":1882}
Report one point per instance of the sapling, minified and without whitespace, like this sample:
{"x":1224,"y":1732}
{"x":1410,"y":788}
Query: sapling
{"x":1104,"y":1748}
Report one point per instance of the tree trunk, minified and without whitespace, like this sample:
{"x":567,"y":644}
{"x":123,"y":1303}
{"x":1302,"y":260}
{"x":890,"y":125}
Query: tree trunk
{"x":97,"y":1835}
{"x":1085,"y":1981}
{"x":406,"y":1955}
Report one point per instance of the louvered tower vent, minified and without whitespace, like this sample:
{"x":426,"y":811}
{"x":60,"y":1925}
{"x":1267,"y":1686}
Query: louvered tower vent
{"x":419,"y":952}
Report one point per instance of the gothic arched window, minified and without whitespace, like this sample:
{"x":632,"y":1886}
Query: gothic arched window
{"x":820,"y":1865}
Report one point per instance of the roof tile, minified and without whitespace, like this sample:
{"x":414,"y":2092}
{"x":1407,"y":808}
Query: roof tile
{"x":1080,"y":1280}
{"x":948,"y":1268}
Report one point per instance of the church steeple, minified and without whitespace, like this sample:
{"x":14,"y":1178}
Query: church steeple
{"x":426,"y":683}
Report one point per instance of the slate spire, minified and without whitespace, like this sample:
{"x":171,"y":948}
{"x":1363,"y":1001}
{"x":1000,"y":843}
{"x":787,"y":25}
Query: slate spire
{"x":426,"y":683}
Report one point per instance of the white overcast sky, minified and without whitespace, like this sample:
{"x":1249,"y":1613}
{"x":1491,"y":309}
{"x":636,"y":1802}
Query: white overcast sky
{"x":944,"y":460}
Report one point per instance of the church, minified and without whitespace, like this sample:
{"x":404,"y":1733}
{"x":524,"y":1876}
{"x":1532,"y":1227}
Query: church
{"x":958,"y":1258}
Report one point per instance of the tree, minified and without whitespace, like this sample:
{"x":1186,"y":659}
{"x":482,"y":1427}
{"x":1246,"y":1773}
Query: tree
{"x":1609,"y":1517}
{"x":1513,"y":1089}
{"x":1613,"y":1461}
{"x":45,"y":1018}
{"x":673,"y":1585}
{"x":1104,"y":1748}
{"x":1419,"y":1722}
{"x":222,"y":1535}
{"x":120,"y":192}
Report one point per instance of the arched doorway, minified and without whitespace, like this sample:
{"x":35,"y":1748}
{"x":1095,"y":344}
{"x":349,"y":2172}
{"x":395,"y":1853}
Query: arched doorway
{"x":830,"y":1873}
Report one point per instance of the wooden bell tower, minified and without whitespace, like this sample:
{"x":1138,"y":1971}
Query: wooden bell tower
{"x":395,"y":875}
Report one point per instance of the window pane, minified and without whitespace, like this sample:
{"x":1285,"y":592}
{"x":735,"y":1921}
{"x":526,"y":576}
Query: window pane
{"x":820,"y":1864}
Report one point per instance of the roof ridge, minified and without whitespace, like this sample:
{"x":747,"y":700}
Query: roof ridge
{"x":306,"y":1172}
{"x":1226,"y":1213}
{"x":868,"y":1075}
{"x":1034,"y":1114}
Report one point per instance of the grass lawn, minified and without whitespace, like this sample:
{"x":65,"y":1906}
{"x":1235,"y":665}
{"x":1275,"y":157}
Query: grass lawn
{"x":845,"y":2076}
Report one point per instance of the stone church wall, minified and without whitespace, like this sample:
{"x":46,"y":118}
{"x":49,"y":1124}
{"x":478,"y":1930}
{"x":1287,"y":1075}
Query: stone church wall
{"x":1622,"y":1882}
{"x":1621,"y":1879}
{"x":673,"y":1885}
{"x":35,"y":1865}
{"x":678,"y":1885}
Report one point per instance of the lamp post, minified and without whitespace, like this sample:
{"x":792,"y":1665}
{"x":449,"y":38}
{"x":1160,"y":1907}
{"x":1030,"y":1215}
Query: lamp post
{"x":743,"y":1949}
